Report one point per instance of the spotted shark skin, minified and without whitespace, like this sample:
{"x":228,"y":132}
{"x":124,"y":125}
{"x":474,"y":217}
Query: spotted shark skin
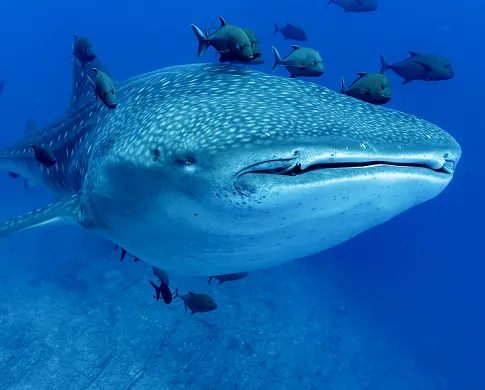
{"x":207,"y":169}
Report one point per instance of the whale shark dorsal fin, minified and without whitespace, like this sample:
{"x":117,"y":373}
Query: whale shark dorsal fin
{"x":66,"y":210}
{"x":82,"y":91}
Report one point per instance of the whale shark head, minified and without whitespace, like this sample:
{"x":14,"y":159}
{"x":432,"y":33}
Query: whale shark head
{"x":213,"y":169}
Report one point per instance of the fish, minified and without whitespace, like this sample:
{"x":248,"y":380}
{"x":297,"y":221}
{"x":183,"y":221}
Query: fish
{"x":373,"y":88}
{"x":355,"y":5}
{"x":2,"y":86}
{"x":302,"y":61}
{"x":196,"y":303}
{"x":253,"y":170}
{"x":228,"y":278}
{"x":83,"y":49}
{"x":227,"y":39}
{"x":426,"y":67}
{"x":258,"y":57}
{"x":104,"y":89}
{"x":43,"y":155}
{"x":290,"y":31}
{"x":162,"y":291}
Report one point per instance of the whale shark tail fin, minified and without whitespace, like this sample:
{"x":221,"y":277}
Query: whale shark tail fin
{"x":67,"y":210}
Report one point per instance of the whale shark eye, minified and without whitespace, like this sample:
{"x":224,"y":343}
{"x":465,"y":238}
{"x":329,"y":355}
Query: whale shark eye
{"x":188,"y":161}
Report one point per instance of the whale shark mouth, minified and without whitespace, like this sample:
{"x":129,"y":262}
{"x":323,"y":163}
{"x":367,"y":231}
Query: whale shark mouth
{"x":448,"y":167}
{"x":289,"y":167}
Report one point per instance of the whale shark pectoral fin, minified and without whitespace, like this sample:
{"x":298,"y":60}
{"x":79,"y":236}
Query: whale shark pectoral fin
{"x":66,"y":210}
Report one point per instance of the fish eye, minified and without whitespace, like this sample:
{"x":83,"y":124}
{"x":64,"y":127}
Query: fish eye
{"x":315,"y":62}
{"x":112,"y":91}
{"x":383,"y":87}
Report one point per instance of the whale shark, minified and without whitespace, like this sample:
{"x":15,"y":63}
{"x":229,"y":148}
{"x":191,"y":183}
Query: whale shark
{"x":207,"y":169}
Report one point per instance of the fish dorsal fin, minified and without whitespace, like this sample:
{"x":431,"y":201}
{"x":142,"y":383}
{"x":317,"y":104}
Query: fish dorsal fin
{"x":289,"y":25}
{"x":362,"y":74}
{"x":191,"y":293}
{"x":295,"y":47}
{"x":223,"y":22}
{"x":413,"y":54}
{"x":82,"y":90}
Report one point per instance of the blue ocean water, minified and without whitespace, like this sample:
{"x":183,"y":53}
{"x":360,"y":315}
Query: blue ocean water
{"x":398,"y":307}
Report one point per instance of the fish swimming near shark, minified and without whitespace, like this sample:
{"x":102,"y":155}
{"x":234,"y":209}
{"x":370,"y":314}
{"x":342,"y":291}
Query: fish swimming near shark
{"x":252,"y":170}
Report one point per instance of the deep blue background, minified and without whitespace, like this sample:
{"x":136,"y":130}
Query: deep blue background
{"x":420,"y":276}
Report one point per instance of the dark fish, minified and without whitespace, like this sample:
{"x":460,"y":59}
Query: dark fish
{"x":227,"y":39}
{"x":302,"y":61}
{"x":372,"y":88}
{"x":426,"y":67}
{"x":13,"y":175}
{"x":83,"y":49}
{"x":290,"y":31}
{"x":197,"y":303}
{"x":355,"y":5}
{"x":162,"y":291}
{"x":2,"y":85}
{"x":228,"y":277}
{"x":43,"y":155}
{"x":258,"y":57}
{"x":104,"y":88}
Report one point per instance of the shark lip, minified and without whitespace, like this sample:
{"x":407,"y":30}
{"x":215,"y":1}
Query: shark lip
{"x":447,"y":168}
{"x":291,"y":167}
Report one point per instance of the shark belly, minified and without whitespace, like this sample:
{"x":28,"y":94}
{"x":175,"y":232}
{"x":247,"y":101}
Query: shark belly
{"x":196,"y":237}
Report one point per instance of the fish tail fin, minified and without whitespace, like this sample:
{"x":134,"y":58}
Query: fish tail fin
{"x":384,"y":65}
{"x":203,"y":41}
{"x":342,"y":86}
{"x":277,"y":58}
{"x":123,"y":254}
{"x":64,"y":211}
{"x":176,"y":294}
{"x":276,"y":28}
{"x":210,"y":279}
{"x":157,"y":290}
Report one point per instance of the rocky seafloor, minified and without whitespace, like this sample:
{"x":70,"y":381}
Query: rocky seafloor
{"x":72,"y":316}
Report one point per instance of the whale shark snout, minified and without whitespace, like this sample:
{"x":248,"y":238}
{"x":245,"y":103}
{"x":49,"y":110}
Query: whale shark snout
{"x":211,"y":169}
